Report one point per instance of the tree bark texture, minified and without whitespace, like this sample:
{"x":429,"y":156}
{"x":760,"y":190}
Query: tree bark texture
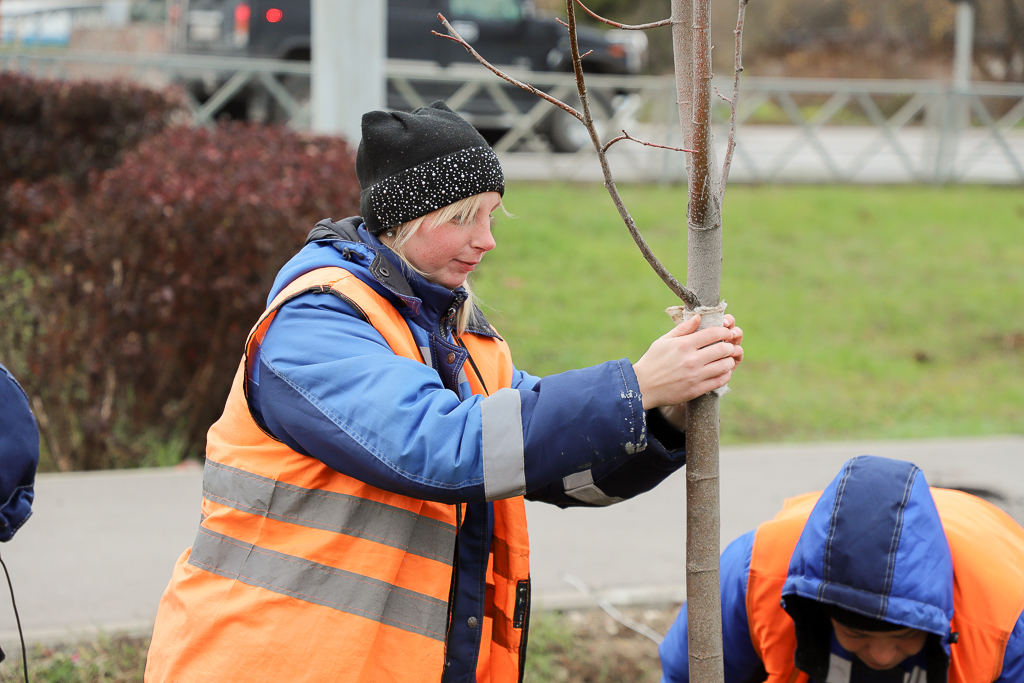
{"x":682,"y":49}
{"x":704,"y":277}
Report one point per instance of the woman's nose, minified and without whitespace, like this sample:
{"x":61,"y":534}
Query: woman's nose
{"x":482,"y":237}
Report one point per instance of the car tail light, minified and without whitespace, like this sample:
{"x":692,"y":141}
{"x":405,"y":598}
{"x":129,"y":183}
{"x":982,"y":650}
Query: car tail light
{"x":242,"y":15}
{"x":616,"y":50}
{"x":274,"y":15}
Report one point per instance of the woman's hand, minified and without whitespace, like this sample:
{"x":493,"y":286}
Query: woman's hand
{"x":686,"y":363}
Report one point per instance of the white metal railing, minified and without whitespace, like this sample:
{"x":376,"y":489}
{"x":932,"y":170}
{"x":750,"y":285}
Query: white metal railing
{"x":790,"y":130}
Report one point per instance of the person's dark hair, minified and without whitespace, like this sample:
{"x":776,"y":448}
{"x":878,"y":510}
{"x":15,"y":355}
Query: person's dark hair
{"x":410,"y":164}
{"x":859,"y":621}
{"x":814,"y":637}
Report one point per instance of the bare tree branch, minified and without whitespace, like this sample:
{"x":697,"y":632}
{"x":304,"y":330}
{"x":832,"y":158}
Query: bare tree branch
{"x":627,"y":136}
{"x":609,"y":183}
{"x":456,"y":38}
{"x":625,"y":27}
{"x":587,"y":118}
{"x":723,"y":97}
{"x":735,"y":101}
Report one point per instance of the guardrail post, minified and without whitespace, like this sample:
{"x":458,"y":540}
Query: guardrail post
{"x":957,"y":114}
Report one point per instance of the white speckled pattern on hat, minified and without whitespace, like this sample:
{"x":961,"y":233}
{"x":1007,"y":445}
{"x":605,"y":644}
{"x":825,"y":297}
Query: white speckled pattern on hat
{"x":435,"y":184}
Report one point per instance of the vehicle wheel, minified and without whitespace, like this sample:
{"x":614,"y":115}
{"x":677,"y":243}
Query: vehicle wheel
{"x":567,"y":134}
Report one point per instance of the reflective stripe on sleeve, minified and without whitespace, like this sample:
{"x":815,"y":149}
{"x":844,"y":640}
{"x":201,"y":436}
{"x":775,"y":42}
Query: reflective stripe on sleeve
{"x":330,"y":511}
{"x":319,"y":584}
{"x":504,"y":461}
{"x":581,"y":486}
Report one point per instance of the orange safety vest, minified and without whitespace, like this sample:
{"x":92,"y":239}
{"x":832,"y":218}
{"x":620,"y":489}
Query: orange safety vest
{"x":988,"y":591}
{"x":300,"y":573}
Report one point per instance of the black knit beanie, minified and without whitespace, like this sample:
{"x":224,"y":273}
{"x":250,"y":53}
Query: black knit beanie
{"x":410,"y":164}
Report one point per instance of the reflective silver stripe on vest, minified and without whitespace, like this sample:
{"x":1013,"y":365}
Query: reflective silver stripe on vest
{"x":337,"y":512}
{"x":319,"y":584}
{"x":504,"y":465}
{"x":581,"y":486}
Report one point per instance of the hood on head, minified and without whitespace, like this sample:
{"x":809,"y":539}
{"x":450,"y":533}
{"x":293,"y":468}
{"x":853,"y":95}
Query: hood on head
{"x":873,"y":545}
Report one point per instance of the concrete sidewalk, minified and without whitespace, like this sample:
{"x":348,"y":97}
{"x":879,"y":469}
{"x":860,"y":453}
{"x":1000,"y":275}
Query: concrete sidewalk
{"x":97,"y":553}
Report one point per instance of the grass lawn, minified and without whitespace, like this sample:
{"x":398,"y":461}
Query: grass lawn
{"x":868,"y":312}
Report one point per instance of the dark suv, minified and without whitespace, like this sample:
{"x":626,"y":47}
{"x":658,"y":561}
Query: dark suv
{"x":506,"y":32}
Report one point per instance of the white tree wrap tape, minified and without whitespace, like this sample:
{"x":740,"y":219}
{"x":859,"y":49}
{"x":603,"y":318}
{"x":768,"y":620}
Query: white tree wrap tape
{"x":710,"y":316}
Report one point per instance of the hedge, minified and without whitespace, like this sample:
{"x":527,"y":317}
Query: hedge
{"x":128,"y":304}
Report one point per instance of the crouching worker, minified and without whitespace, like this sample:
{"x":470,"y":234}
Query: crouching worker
{"x":363,"y":515}
{"x":877,"y":580}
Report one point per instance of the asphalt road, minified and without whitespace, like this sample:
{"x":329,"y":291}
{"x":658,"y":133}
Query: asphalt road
{"x":98,"y":551}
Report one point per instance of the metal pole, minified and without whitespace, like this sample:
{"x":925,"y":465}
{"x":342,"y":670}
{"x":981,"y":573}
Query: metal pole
{"x":349,"y":40}
{"x":957,"y":114}
{"x":963,"y":47}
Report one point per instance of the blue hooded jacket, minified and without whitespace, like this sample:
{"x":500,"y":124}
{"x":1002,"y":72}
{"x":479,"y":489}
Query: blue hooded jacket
{"x":19,"y":456}
{"x":874,"y":545}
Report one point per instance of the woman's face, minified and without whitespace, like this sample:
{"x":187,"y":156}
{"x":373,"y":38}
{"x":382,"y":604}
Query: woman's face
{"x":446,"y":253}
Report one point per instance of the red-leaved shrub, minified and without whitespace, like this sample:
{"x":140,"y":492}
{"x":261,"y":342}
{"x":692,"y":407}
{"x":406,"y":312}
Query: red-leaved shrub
{"x":55,"y":133}
{"x":69,"y":128}
{"x":139,"y":296}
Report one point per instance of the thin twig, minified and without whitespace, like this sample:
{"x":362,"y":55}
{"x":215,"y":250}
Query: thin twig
{"x":735,"y":101}
{"x":586,"y":54}
{"x":625,"y":27}
{"x":609,"y":183}
{"x":456,"y":38}
{"x":627,"y":136}
{"x":612,"y":611}
{"x":723,"y":97}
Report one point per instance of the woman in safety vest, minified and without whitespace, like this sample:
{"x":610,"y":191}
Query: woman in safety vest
{"x":877,"y":580}
{"x":363,"y":514}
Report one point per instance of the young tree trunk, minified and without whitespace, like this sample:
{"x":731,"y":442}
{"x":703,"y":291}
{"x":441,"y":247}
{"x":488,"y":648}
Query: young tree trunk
{"x":704,"y":277}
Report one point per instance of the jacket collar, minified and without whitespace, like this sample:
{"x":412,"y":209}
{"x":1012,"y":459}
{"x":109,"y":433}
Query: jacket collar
{"x":424,"y":300}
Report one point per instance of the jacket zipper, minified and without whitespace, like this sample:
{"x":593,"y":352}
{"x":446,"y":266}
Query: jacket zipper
{"x":454,"y":583}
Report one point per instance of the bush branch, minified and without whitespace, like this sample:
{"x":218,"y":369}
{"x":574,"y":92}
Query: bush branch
{"x":587,"y":118}
{"x":456,"y":38}
{"x":609,"y":183}
{"x":625,"y":27}
{"x":627,"y":136}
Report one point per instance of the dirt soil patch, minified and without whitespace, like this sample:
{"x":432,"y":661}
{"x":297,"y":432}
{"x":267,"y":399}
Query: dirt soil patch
{"x":589,"y":646}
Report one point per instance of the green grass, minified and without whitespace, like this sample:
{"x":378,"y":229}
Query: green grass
{"x":108,"y":659}
{"x":869,"y":312}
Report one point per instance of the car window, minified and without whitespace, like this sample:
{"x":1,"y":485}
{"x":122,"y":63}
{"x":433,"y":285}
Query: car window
{"x":494,"y":10}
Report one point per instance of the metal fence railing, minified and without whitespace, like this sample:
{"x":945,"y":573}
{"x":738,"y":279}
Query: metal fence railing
{"x":790,"y":130}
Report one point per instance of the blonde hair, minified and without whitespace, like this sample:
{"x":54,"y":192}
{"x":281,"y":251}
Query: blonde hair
{"x":465,"y":210}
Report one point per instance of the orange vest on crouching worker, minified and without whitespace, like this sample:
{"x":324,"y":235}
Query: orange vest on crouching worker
{"x":988,"y":594}
{"x":300,"y":573}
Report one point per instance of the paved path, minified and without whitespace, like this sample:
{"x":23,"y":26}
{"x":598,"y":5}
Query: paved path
{"x":98,"y":551}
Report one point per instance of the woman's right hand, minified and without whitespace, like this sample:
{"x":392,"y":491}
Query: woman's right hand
{"x":686,"y":363}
